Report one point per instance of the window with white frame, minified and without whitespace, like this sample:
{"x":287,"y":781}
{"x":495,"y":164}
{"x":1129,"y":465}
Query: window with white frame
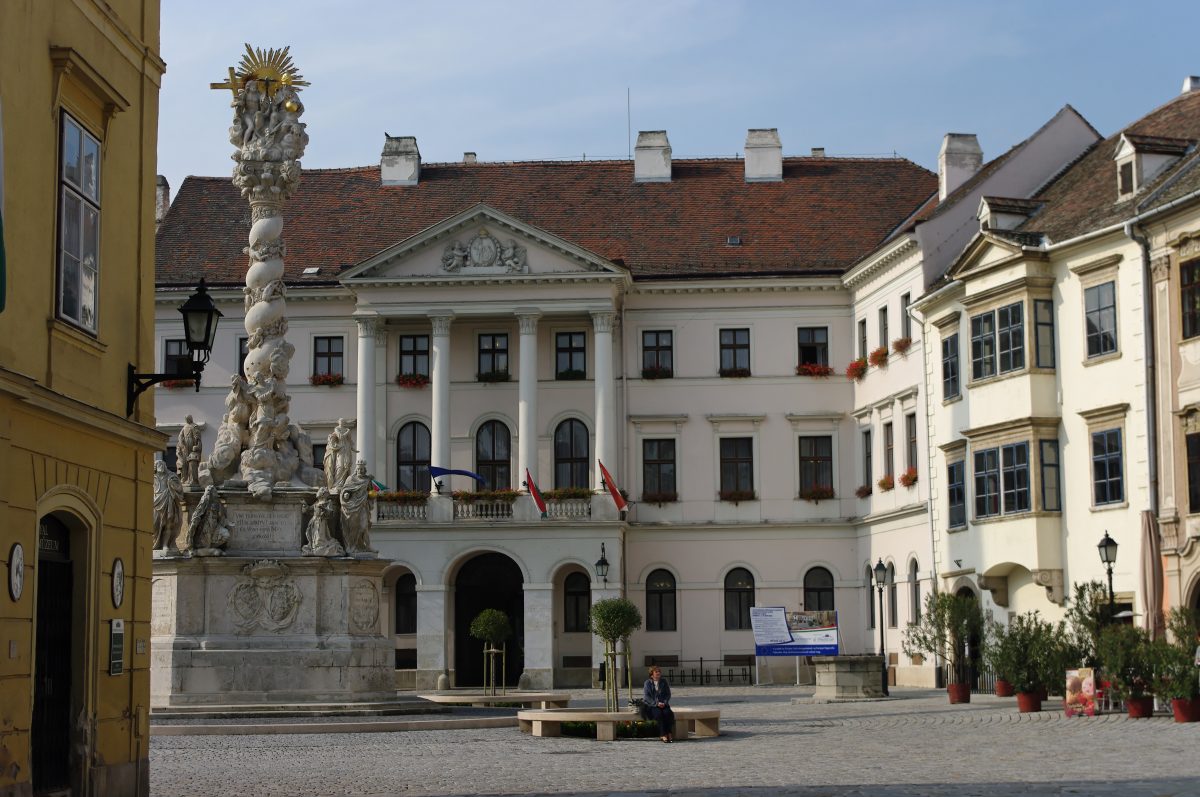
{"x":816,"y":464}
{"x":910,"y":433}
{"x":905,"y":320}
{"x":78,"y":225}
{"x":1014,"y":467}
{"x":1051,"y":476}
{"x":883,"y":327}
{"x":868,"y":467}
{"x":914,"y":593}
{"x":658,"y":470}
{"x":176,"y":358}
{"x":660,"y":601}
{"x":739,"y":597}
{"x":1100,"y":314}
{"x":328,"y":351}
{"x":414,"y":355}
{"x":812,"y":344}
{"x":735,"y":352}
{"x":737,"y":467}
{"x":987,"y":482}
{"x":889,"y":450}
{"x":1010,"y":334}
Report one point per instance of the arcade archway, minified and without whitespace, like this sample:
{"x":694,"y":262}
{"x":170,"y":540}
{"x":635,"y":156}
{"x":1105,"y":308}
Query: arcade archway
{"x":487,"y":581}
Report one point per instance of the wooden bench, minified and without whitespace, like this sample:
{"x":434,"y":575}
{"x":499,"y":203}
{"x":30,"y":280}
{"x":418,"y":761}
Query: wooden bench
{"x":538,"y":700}
{"x":548,"y":722}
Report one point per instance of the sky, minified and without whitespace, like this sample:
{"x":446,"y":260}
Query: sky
{"x":525,"y":80}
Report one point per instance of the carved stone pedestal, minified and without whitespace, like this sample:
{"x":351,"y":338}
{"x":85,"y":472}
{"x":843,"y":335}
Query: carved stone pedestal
{"x":848,"y":678}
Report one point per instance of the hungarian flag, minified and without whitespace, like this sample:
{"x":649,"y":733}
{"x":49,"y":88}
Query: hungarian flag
{"x":612,"y":488}
{"x":533,"y":491}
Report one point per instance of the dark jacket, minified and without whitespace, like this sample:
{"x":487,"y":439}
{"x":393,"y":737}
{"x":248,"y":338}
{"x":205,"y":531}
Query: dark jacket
{"x":662,"y":696}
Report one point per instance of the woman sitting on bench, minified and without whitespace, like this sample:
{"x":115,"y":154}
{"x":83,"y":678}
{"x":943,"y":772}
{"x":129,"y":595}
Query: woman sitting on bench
{"x":657,"y":696}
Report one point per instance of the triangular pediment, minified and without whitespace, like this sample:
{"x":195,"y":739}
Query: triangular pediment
{"x":984,"y":251}
{"x":481,"y":242}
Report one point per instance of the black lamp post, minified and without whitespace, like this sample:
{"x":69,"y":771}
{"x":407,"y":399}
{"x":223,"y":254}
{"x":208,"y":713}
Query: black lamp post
{"x":602,"y":565}
{"x":200,"y":318}
{"x":880,"y":575}
{"x":1108,"y":555}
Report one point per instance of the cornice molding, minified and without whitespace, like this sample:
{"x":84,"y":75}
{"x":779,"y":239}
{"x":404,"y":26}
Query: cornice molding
{"x":872,"y":268}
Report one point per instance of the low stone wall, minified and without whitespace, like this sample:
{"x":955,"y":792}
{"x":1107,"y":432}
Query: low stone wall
{"x":848,"y":677}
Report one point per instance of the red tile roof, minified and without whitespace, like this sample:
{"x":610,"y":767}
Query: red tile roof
{"x":824,"y":215}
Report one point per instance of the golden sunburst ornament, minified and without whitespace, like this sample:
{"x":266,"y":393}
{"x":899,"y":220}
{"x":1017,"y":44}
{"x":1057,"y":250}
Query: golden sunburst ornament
{"x":272,"y":68}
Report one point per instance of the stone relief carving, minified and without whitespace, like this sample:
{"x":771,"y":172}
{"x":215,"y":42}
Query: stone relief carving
{"x":265,"y":597}
{"x":209,"y":525}
{"x":168,"y":507}
{"x":484,"y":251}
{"x":364,"y":606}
{"x":322,"y":526}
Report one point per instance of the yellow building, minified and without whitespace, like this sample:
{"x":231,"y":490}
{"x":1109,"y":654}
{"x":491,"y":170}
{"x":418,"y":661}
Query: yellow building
{"x":79,"y":83}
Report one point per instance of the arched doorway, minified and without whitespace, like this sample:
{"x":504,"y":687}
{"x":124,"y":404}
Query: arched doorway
{"x":50,"y":730}
{"x":487,"y":581}
{"x":974,"y":660}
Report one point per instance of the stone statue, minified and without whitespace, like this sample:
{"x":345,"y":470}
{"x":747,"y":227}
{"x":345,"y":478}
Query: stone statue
{"x":356,"y":511}
{"x":187,"y":453}
{"x":208,"y":527}
{"x":168,"y":507}
{"x":513,"y":257}
{"x":320,"y":531}
{"x":339,"y":456}
{"x":454,"y":257}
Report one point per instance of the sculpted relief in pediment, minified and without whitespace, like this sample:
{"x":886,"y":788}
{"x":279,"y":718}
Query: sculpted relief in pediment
{"x":485,"y":253}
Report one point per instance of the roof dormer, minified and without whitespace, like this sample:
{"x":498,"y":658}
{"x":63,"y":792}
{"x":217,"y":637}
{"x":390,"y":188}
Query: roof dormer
{"x":1141,"y":158}
{"x":1005,"y":213}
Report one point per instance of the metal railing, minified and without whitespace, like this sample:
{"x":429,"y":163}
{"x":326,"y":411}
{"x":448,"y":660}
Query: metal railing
{"x":710,"y":673}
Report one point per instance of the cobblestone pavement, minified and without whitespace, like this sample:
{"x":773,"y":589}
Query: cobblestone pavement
{"x":915,"y":744}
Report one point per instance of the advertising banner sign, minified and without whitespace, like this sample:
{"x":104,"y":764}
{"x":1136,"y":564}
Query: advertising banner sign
{"x":778,"y":632}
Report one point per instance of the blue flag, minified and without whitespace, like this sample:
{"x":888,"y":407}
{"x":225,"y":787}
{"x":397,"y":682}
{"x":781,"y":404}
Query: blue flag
{"x":436,"y":472}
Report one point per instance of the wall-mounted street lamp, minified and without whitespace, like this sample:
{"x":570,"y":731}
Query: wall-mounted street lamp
{"x":880,"y":575}
{"x":1108,"y":555}
{"x":602,"y":565}
{"x":200,"y":318}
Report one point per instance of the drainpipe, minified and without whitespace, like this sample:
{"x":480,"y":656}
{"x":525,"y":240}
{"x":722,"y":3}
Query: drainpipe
{"x":1133,"y":233}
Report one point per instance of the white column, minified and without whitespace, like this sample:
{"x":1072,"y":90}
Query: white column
{"x":365,"y":425}
{"x":431,"y":634}
{"x":439,"y":368}
{"x":527,"y":436}
{"x":539,"y":635}
{"x":602,"y":324}
{"x":382,"y":376}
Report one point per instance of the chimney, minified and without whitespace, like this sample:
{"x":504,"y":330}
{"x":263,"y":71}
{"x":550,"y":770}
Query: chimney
{"x":162,"y":199}
{"x":401,"y":161}
{"x":818,"y":152}
{"x":1190,"y":83}
{"x":764,"y":156}
{"x":959,"y":159}
{"x":469,"y":157}
{"x":652,"y":157}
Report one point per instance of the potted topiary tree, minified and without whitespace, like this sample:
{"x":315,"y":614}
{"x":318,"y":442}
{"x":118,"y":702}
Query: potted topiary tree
{"x":1031,"y":640}
{"x":945,"y":629}
{"x":613,"y":619}
{"x":492,"y":626}
{"x":1129,"y":661}
{"x":1000,"y":654}
{"x":1175,"y":670}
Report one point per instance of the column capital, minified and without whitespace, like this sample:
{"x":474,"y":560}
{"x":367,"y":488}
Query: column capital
{"x":369,"y":326}
{"x":441,"y":323}
{"x":604,"y":320}
{"x":527,"y":320}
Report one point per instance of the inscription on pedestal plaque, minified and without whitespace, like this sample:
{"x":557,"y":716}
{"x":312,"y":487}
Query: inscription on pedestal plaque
{"x":271,"y":527}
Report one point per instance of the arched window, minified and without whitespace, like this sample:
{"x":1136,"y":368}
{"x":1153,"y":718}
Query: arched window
{"x":492,"y":455}
{"x":914,"y":592}
{"x":412,"y":457}
{"x":406,"y":604}
{"x":818,"y":590}
{"x":577,"y":603}
{"x":739,"y":597}
{"x":660,"y":601}
{"x":890,"y":581}
{"x":571,"y":464}
{"x":867,"y":579}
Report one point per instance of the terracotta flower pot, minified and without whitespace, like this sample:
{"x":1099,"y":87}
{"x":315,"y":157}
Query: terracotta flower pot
{"x":1140,"y":707}
{"x":1029,"y":702}
{"x":1004,"y":688}
{"x":959,"y":693}
{"x":1186,"y":709}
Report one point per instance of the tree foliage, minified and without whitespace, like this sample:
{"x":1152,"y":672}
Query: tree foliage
{"x":614,"y":619}
{"x":492,"y":626}
{"x":945,"y":626}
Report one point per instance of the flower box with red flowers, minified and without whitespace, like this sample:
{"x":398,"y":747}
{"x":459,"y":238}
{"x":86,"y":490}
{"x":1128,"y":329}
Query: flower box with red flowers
{"x":567,"y":494}
{"x":658,"y":499}
{"x":857,"y":369}
{"x":878,"y":357}
{"x":737,"y":496}
{"x":489,"y":377}
{"x":657,"y":372}
{"x":863,"y":491}
{"x":326,"y":380}
{"x":817,"y":494}
{"x":909,"y":477}
{"x":175,"y":384}
{"x":408,"y":497}
{"x":469,"y":497}
{"x":814,"y":370}
{"x":901,"y":345}
{"x":734,"y":373}
{"x":887,"y":483}
{"x":412,"y":381}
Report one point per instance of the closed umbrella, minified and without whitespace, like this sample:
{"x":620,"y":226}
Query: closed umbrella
{"x":1152,"y":575}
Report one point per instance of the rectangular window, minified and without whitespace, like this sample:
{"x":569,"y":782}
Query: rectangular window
{"x":414,"y":355}
{"x":1107,"y":483}
{"x":493,"y":353}
{"x":327,"y":355}
{"x":950,"y":387}
{"x":176,"y":359}
{"x":657,"y":354}
{"x":570,"y":356}
{"x":658,"y":469}
{"x":319,"y":455}
{"x":862,"y":339}
{"x":1051,"y":476}
{"x":1014,"y":463}
{"x":737,"y":465}
{"x":883,"y":327}
{"x":812,"y":346}
{"x":956,"y":490}
{"x":983,"y":346}
{"x":1010,"y":329}
{"x":79,"y":225}
{"x":1193,"y":472}
{"x":170,"y":458}
{"x":816,"y":463}
{"x":910,"y":433}
{"x":1189,"y":297}
{"x":243,"y":352}
{"x":987,"y":482}
{"x":868,"y":468}
{"x":1125,"y":178}
{"x":905,"y":320}
{"x":735,"y":351}
{"x":1100,"y":313}
{"x":1043,"y":332}
{"x":889,"y":447}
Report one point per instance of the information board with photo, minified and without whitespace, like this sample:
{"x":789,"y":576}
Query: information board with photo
{"x":779,"y":632}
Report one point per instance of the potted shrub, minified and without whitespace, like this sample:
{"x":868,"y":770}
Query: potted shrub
{"x":909,"y":477}
{"x":901,"y":345}
{"x":326,"y":380}
{"x":412,"y":381}
{"x":878,"y":357}
{"x":734,"y":373}
{"x":656,"y":372}
{"x":1175,"y":671}
{"x":1000,"y":655}
{"x":817,"y":494}
{"x":814,"y":369}
{"x":944,"y":629}
{"x":857,"y":369}
{"x":614,"y":619}
{"x":887,"y":482}
{"x":863,"y":490}
{"x":1128,"y":660}
{"x":1022,"y":654}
